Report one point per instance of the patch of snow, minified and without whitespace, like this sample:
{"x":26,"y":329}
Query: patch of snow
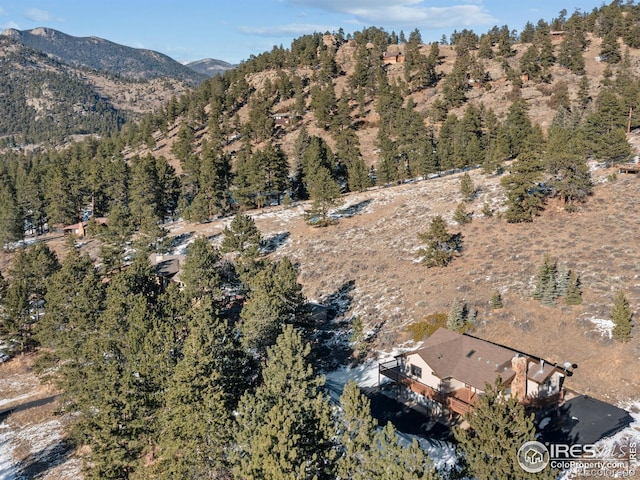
{"x":442,"y":454}
{"x":603,"y":326}
{"x":365,"y":375}
{"x":7,"y":464}
{"x":182,"y":248}
{"x":7,"y":401}
{"x":20,"y":243}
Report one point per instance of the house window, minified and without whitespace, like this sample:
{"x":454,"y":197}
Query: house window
{"x":416,"y":371}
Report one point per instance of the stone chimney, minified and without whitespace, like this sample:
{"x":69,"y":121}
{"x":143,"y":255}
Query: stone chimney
{"x":519,"y":383}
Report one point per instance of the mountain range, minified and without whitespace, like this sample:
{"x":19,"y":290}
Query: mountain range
{"x":58,"y":85}
{"x":99,"y":54}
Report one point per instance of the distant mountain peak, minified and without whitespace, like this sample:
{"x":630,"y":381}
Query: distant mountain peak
{"x":11,"y":32}
{"x":42,"y":31}
{"x":210,"y":66}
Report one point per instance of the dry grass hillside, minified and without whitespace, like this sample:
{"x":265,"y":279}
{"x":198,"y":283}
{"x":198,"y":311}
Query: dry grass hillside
{"x":369,"y":257}
{"x":367,"y":263}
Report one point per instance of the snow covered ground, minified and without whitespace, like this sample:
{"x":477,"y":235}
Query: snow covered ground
{"x":603,"y":326}
{"x":7,"y":464}
{"x":441,"y":453}
{"x":32,"y":441}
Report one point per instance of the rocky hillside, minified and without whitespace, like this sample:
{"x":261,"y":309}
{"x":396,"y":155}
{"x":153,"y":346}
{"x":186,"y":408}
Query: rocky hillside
{"x":45,"y":100}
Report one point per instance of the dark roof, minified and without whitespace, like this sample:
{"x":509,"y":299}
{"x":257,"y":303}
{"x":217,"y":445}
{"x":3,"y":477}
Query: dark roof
{"x":475,"y":361}
{"x":167,"y":266}
{"x":583,"y":419}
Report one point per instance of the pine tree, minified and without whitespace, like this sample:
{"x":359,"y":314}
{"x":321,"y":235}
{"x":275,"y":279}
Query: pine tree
{"x":518,"y":128}
{"x":455,"y":84}
{"x":324,"y":104}
{"x":11,"y":221}
{"x":196,"y":417}
{"x":570,"y":53}
{"x":456,"y":319}
{"x":562,"y":282}
{"x":202,"y":269}
{"x":496,"y":300}
{"x":461,"y":215}
{"x":487,"y":211}
{"x":144,"y":191}
{"x":584,"y":96}
{"x":15,"y":323}
{"x":621,"y":314}
{"x":241,"y":237}
{"x":605,"y":128}
{"x":35,"y":265}
{"x":214,"y":181}
{"x":324,"y":192}
{"x":574,"y":293}
{"x":610,"y":49}
{"x":524,"y":197}
{"x":467,"y":187}
{"x":505,"y":42}
{"x":285,"y":430}
{"x":356,"y":429}
{"x":248,"y":180}
{"x":275,"y":299}
{"x":441,"y":246}
{"x":546,"y":282}
{"x":25,"y":293}
{"x":116,"y":390}
{"x":485,"y":47}
{"x":498,"y":427}
{"x":570,"y":175}
{"x":74,"y":300}
{"x":389,"y":459}
{"x":114,"y":237}
{"x":275,"y":170}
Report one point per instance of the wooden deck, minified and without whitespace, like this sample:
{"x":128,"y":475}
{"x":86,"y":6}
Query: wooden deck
{"x":459,"y":401}
{"x":629,"y":168}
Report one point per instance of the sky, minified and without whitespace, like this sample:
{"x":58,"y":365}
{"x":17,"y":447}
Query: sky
{"x":233,"y":30}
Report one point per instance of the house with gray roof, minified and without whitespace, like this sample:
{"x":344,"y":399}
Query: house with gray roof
{"x":453,"y":369}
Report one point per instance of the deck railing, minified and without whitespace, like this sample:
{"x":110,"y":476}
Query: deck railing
{"x":393,"y":371}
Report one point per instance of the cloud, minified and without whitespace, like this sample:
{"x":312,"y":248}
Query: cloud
{"x":2,"y":12}
{"x":11,"y":24}
{"x":288,"y":29}
{"x":410,"y":13}
{"x":38,"y":15}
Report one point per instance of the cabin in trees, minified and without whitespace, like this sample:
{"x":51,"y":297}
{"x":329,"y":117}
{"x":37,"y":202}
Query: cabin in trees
{"x":390,"y":58}
{"x":167,"y":268}
{"x":451,"y":370}
{"x":282,"y":119}
{"x":80,"y":229}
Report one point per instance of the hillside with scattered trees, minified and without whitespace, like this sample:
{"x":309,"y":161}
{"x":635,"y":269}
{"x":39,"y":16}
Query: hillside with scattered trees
{"x":484,"y":139}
